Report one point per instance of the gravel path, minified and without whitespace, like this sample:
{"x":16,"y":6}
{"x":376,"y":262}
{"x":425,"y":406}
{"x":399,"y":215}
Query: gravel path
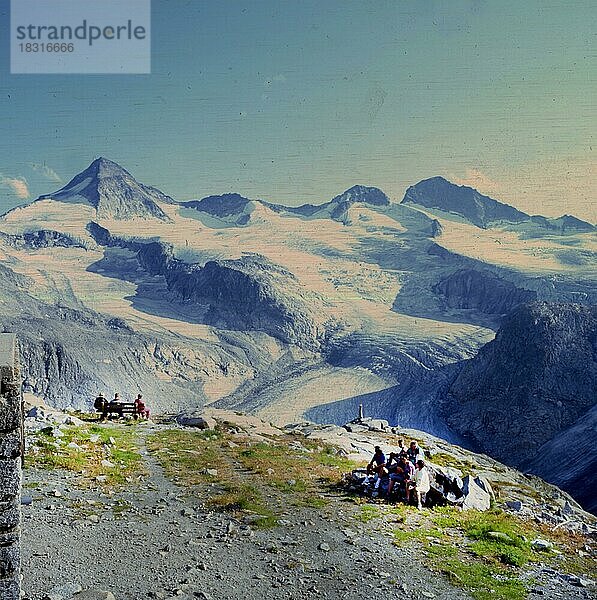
{"x":157,"y":541}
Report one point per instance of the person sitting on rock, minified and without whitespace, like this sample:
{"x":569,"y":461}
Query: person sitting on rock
{"x":393,"y":462}
{"x":414,"y":452}
{"x":377,"y":462}
{"x":403,"y":473}
{"x":419,"y":486}
{"x":141,"y":408}
{"x":402,"y":449}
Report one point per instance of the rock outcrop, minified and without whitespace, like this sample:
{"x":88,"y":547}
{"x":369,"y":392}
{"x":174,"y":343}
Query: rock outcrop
{"x":482,"y":291}
{"x":254,"y":293}
{"x":223,"y":205}
{"x":533,"y":382}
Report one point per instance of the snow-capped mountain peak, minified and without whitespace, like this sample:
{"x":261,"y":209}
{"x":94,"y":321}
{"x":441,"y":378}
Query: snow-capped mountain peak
{"x":439,"y":194}
{"x":363,"y":193}
{"x":113,"y":192}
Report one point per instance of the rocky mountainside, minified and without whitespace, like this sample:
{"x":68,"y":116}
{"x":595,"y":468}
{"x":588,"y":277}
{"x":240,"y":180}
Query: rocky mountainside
{"x":113,"y":192}
{"x":483,"y":291}
{"x":482,"y":211}
{"x":527,"y":393}
{"x":579,"y":473}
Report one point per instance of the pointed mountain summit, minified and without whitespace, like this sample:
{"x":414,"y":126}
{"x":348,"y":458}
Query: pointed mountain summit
{"x":462,"y":200}
{"x":113,"y":192}
{"x":485,"y":212}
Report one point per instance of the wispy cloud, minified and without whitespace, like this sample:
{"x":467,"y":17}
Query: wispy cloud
{"x":46,"y":171}
{"x":477,"y":179}
{"x":18,"y":185}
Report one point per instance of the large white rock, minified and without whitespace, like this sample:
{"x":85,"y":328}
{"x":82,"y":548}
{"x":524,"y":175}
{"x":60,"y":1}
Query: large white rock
{"x":484,"y":483}
{"x":475,"y":497}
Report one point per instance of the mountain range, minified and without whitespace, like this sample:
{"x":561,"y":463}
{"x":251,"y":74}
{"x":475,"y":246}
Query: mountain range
{"x":311,"y":310}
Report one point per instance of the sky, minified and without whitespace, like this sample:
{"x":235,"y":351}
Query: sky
{"x":295,"y":102}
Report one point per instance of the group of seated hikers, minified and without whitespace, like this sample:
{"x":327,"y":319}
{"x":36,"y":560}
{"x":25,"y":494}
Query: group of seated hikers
{"x":119,"y":407}
{"x":401,"y":474}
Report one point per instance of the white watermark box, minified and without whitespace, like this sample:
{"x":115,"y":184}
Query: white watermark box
{"x":80,"y":36}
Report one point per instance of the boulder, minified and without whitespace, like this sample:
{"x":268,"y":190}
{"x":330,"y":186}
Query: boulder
{"x":484,"y":483}
{"x":541,"y":545}
{"x":195,"y":419}
{"x":377,"y":424}
{"x":475,"y":497}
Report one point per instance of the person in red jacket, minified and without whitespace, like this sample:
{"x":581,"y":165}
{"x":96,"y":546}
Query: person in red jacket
{"x":141,"y":408}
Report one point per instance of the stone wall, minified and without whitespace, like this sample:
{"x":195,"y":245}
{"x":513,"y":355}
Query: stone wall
{"x":11,"y":451}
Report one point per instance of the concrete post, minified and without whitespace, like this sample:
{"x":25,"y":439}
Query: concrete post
{"x":11,"y":453}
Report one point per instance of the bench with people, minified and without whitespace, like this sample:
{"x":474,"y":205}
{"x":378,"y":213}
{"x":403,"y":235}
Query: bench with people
{"x":401,"y":475}
{"x":117,"y":407}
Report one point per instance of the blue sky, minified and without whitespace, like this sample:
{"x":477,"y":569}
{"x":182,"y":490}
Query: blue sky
{"x":296,"y":101}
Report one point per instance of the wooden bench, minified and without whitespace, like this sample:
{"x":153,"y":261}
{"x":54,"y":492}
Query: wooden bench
{"x":121,"y":409}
